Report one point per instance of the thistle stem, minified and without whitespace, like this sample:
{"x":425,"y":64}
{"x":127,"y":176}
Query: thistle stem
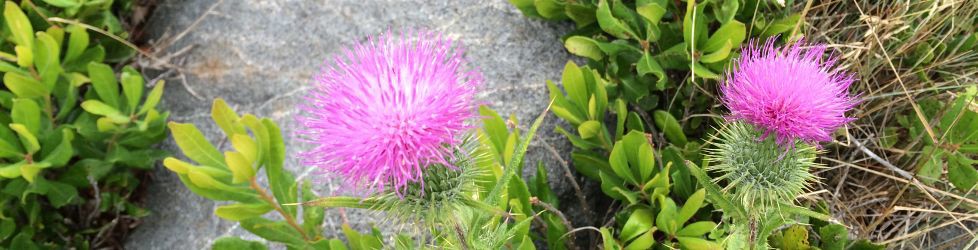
{"x":271,"y":201}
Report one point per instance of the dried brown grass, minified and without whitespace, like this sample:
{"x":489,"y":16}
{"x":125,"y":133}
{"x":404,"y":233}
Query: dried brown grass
{"x":871,"y":188}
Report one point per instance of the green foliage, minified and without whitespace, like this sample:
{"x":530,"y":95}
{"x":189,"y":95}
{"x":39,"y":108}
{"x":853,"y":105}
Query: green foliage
{"x":957,"y":125}
{"x":646,"y":50}
{"x":75,"y":136}
{"x":232,"y":176}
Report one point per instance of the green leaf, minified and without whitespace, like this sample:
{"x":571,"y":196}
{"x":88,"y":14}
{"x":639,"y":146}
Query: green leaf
{"x":697,"y":243}
{"x":235,"y":243}
{"x":26,"y":138}
{"x":704,"y":72}
{"x":23,"y":239}
{"x":25,"y":56}
{"x":277,"y":231}
{"x":60,"y":194}
{"x":153,"y":98}
{"x":644,"y":241}
{"x":583,"y":46}
{"x":670,"y":127}
{"x":30,"y":171}
{"x":693,"y":204}
{"x":782,"y":25}
{"x":610,"y":24}
{"x":638,"y":223}
{"x":961,"y":173}
{"x":646,"y":161}
{"x":666,"y":219}
{"x":619,"y":163}
{"x":516,"y":163}
{"x":550,"y":9}
{"x":7,"y":227}
{"x":697,"y":229}
{"x":718,"y":55}
{"x":574,"y":84}
{"x":240,"y":166}
{"x":648,"y":65}
{"x":834,"y":237}
{"x":312,"y":217}
{"x":194,"y":145}
{"x":795,"y":238}
{"x":203,"y":179}
{"x":24,"y":86}
{"x":609,"y":240}
{"x":495,"y":127}
{"x":132,"y":87}
{"x":63,"y":152}
{"x":19,"y":25}
{"x":652,"y":12}
{"x":25,"y":111}
{"x":46,"y":59}
{"x":226,"y":118}
{"x":281,"y":181}
{"x":589,"y":129}
{"x":733,"y":32}
{"x":246,"y":146}
{"x":77,"y":42}
{"x":104,"y":82}
{"x":100,"y":108}
{"x":239,"y":211}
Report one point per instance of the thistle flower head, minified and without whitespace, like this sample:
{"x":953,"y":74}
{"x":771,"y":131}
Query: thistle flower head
{"x":760,"y":174}
{"x":385,"y":110}
{"x":792,"y":92}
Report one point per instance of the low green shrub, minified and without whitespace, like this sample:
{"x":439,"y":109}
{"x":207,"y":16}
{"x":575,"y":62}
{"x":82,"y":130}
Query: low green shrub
{"x":76,"y":138}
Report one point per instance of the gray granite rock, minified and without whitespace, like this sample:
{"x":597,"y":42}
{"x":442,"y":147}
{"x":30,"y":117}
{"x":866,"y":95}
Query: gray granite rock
{"x":259,"y":55}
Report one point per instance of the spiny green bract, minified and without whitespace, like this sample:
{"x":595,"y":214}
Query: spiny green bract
{"x":760,"y":174}
{"x":442,"y":191}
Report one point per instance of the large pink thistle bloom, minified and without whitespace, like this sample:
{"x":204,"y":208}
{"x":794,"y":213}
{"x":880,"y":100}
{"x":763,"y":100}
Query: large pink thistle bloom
{"x":792,"y":92}
{"x":386,"y":109}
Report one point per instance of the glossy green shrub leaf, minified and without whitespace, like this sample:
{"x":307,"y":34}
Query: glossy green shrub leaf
{"x":716,"y":56}
{"x":638,"y":223}
{"x":648,"y":65}
{"x":583,"y":46}
{"x":105,"y":84}
{"x":77,"y":42}
{"x":693,"y":204}
{"x":619,"y":163}
{"x":280,"y":181}
{"x":277,"y":231}
{"x":24,"y":86}
{"x":609,"y":23}
{"x":241,"y":168}
{"x":733,"y":32}
{"x":234,"y":243}
{"x":697,"y":243}
{"x":226,"y":119}
{"x":609,"y":240}
{"x":100,"y":108}
{"x":670,"y":127}
{"x":26,"y":112}
{"x":63,"y":152}
{"x":239,"y":211}
{"x":132,"y":88}
{"x":153,"y":98}
{"x":550,"y":9}
{"x":667,"y":220}
{"x":652,"y":12}
{"x":46,"y":54}
{"x":194,"y":145}
{"x":19,"y":25}
{"x":590,"y":129}
{"x":643,"y":241}
{"x":697,"y":229}
{"x":27,"y":139}
{"x":575,"y":84}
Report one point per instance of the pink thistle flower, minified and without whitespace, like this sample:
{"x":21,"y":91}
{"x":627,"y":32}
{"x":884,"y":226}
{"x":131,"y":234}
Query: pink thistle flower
{"x":388,"y":108}
{"x":790,"y":91}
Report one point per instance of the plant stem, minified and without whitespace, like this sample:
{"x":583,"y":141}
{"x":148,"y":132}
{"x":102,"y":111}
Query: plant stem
{"x":550,"y":208}
{"x":271,"y":201}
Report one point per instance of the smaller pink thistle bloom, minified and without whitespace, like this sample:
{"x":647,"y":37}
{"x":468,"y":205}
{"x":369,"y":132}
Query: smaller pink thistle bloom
{"x":387,"y":109}
{"x":789,"y":91}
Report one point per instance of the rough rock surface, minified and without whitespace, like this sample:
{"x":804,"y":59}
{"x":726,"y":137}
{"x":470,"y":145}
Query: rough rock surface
{"x":260,"y":56}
